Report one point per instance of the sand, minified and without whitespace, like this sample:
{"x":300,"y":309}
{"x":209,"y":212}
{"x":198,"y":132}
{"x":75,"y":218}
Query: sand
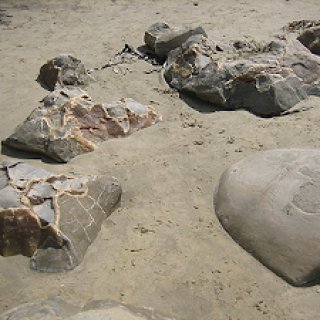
{"x":164,"y":248}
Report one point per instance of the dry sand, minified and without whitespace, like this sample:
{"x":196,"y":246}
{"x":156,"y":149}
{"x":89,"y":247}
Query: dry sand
{"x":164,"y":248}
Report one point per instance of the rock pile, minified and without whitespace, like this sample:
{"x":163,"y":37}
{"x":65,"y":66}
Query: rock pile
{"x":52,"y":218}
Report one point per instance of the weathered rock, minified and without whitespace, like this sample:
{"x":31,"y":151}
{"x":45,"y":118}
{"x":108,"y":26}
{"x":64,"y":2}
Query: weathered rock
{"x":300,"y":25}
{"x":69,"y":123}
{"x":52,"y":218}
{"x":63,"y":70}
{"x":162,"y":38}
{"x":270,"y":204}
{"x":57,"y":309}
{"x":311,"y":39}
{"x":265,"y":79}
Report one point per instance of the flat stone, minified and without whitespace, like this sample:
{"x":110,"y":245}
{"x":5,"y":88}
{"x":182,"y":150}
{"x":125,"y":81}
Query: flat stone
{"x":68,"y":123}
{"x":263,"y":78}
{"x":63,"y":70}
{"x":46,"y":218}
{"x":270,"y":204}
{"x":162,"y":38}
{"x":311,"y":39}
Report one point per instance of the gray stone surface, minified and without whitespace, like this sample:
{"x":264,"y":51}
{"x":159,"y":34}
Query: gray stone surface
{"x":57,"y":309}
{"x":52,"y":218}
{"x":270,"y":204}
{"x":263,"y":78}
{"x":162,"y":38}
{"x":63,"y":70}
{"x":69,"y":123}
{"x":311,"y":39}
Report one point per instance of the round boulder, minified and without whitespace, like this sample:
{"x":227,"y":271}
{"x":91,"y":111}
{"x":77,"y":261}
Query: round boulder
{"x":270,"y":204}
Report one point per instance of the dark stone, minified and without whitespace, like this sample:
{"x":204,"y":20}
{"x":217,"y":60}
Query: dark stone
{"x":43,"y":216}
{"x":162,"y":38}
{"x":269,"y":203}
{"x":69,"y":123}
{"x":63,"y":70}
{"x":311,"y":39}
{"x":264,"y":78}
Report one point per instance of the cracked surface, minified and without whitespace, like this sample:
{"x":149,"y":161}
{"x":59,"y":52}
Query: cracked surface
{"x":69,"y":123}
{"x":264,"y":78}
{"x":52,"y":218}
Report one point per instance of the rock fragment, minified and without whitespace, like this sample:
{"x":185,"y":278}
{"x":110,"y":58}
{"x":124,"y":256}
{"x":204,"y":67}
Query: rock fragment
{"x":63,"y":70}
{"x":311,"y":39}
{"x":162,"y":38}
{"x":52,"y":218}
{"x":69,"y":123}
{"x":269,"y":204}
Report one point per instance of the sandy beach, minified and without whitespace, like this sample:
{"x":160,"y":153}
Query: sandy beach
{"x":163,"y":248}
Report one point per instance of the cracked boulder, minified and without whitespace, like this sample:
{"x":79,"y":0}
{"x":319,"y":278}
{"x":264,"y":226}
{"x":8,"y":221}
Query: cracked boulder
{"x":263,"y":78}
{"x":58,"y":309}
{"x":69,"y":123}
{"x":63,"y":70}
{"x":269,"y":203}
{"x":161,"y":38}
{"x":52,"y":218}
{"x":310,"y":38}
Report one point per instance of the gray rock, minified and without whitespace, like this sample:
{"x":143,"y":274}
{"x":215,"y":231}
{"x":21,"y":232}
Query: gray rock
{"x":270,"y":204}
{"x":162,"y":38}
{"x":63,"y":70}
{"x":311,"y":39}
{"x":52,"y":218}
{"x":264,"y":78}
{"x":57,"y":309}
{"x":69,"y":123}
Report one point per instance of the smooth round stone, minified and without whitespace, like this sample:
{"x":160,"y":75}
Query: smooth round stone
{"x":270,"y":204}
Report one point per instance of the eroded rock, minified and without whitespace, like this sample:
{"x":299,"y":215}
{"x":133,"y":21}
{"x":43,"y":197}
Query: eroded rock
{"x":69,"y":123}
{"x":310,"y":38}
{"x":52,"y":218}
{"x":63,"y":70}
{"x":264,"y":78}
{"x":162,"y":38}
{"x":270,"y":204}
{"x":57,"y":309}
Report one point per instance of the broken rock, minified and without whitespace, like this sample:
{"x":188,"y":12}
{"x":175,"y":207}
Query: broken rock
{"x":162,"y":38}
{"x":63,"y":70}
{"x":311,"y":39}
{"x":69,"y":123}
{"x":52,"y":218}
{"x":270,"y":204}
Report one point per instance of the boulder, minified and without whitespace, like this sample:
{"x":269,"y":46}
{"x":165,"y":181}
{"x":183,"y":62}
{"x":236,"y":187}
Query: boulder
{"x":270,"y":205}
{"x":63,"y":70}
{"x":263,"y":78}
{"x":57,"y":309}
{"x":69,"y":123}
{"x":52,"y":218}
{"x":311,"y":39}
{"x":161,"y":38}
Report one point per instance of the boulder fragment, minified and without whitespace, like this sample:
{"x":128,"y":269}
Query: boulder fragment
{"x":161,"y":38}
{"x":269,"y":204}
{"x":263,"y":78}
{"x":52,"y":218}
{"x":69,"y":123}
{"x":63,"y":70}
{"x":311,"y":39}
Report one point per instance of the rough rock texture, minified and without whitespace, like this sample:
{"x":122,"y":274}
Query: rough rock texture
{"x":69,"y":123}
{"x":311,"y":39}
{"x":162,"y":38}
{"x":52,"y":218}
{"x":57,"y":309}
{"x":270,"y":204}
{"x":264,"y":78}
{"x":63,"y":70}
